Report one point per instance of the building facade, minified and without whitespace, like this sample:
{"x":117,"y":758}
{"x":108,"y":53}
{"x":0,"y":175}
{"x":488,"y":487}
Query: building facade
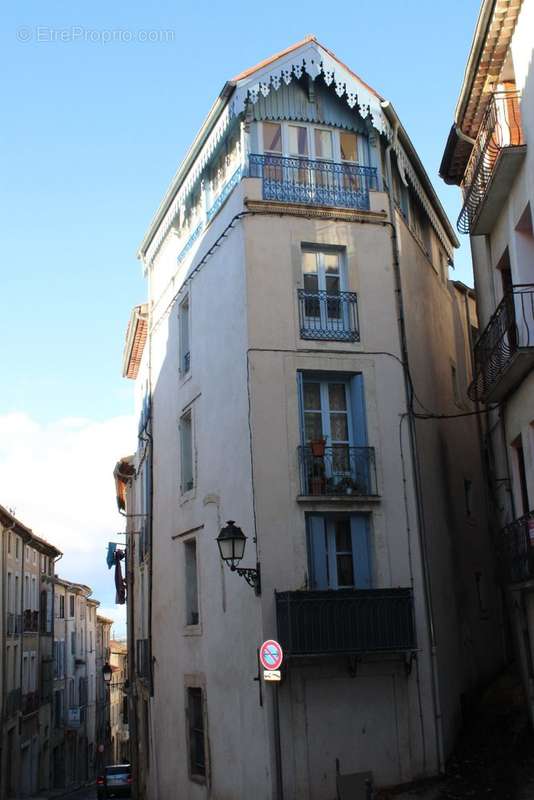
{"x":301,"y":367}
{"x":490,"y":154}
{"x":102,"y":725}
{"x":27,"y":571}
{"x":120,"y":748}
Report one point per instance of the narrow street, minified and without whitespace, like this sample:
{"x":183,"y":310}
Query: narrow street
{"x":87,"y":793}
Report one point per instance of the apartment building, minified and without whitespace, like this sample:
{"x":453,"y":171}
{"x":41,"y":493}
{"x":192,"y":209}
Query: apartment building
{"x":27,"y":569}
{"x":102,"y":724}
{"x":120,"y":749}
{"x":490,"y":155}
{"x":300,"y":368}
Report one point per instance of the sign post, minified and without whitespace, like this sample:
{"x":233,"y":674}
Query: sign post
{"x":271,"y":657}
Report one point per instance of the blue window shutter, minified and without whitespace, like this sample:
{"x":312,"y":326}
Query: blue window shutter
{"x":359,"y":421}
{"x":359,"y":525}
{"x":300,"y":398}
{"x":317,"y":552}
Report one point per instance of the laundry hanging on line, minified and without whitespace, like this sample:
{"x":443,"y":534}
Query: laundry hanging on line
{"x":120,"y":583}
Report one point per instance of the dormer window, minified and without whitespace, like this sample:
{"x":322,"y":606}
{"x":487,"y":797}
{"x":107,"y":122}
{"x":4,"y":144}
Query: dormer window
{"x":314,"y":142}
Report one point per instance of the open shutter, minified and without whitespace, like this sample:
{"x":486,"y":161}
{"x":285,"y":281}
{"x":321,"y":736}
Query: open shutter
{"x":359,"y":524}
{"x":359,"y":420}
{"x":317,"y":552}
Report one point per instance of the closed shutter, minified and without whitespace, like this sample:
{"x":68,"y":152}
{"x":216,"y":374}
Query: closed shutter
{"x":317,"y":549}
{"x":359,"y":524}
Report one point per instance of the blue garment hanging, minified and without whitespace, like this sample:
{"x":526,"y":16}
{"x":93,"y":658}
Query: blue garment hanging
{"x":110,"y":558}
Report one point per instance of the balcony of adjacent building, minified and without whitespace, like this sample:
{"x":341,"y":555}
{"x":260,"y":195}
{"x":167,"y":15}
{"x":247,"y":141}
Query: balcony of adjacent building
{"x":504,"y":353}
{"x":516,"y":548}
{"x":494,"y":162}
{"x":31,"y":621}
{"x":338,"y":471}
{"x":315,"y":182}
{"x":30,"y":703}
{"x":13,"y":702}
{"x":348,"y":622}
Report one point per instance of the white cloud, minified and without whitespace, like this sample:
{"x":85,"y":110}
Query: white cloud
{"x":58,"y":479}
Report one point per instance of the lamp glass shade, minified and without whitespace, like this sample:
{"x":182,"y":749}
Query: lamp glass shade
{"x":231,"y":541}
{"x":107,"y":673}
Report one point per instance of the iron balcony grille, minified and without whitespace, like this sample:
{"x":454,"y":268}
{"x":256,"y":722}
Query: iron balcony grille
{"x":327,"y":315}
{"x":516,"y":546}
{"x":345,"y":622}
{"x":340,"y":470}
{"x":501,"y":128}
{"x":143,"y":659}
{"x":31,"y":621}
{"x":312,"y":182}
{"x":13,"y":702}
{"x":30,"y":703}
{"x":510,"y":330}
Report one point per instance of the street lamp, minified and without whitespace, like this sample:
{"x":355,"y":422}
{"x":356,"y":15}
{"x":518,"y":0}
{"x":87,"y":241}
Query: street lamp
{"x":231,"y":541}
{"x":107,"y":673}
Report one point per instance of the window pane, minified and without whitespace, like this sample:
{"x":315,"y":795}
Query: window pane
{"x":348,"y":146}
{"x":312,"y":396}
{"x":309,"y":262}
{"x":339,"y":428}
{"x":323,"y":144}
{"x":313,"y":428}
{"x":311,"y":283}
{"x":331,"y":263}
{"x":298,"y":140}
{"x":336,"y":396}
{"x":272,"y":137}
{"x":345,"y":573}
{"x":343,"y":536}
{"x":332,"y":284}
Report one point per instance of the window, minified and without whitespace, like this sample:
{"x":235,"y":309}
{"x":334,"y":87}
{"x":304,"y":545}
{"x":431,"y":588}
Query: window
{"x":272,"y":138}
{"x":520,"y":472}
{"x":186,"y":453}
{"x":9,"y":543}
{"x":185,"y":354}
{"x":61,"y":606}
{"x":73,"y":643}
{"x":191,"y":583}
{"x":71,"y":605}
{"x":17,"y":545}
{"x":58,"y":708}
{"x":327,"y":311}
{"x":195,"y":717}
{"x":338,"y":550}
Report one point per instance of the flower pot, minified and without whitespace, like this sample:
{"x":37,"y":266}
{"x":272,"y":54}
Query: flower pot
{"x":317,"y":447}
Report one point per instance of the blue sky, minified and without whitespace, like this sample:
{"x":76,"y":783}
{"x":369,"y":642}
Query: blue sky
{"x":96,"y":130}
{"x":93,"y":132}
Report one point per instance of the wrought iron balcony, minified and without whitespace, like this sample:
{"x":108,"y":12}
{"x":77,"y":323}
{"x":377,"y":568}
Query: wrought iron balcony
{"x":13,"y":702}
{"x":312,"y":182}
{"x":31,"y":621}
{"x":340,"y":470}
{"x":499,"y":147}
{"x":143,"y":659}
{"x":324,"y":315}
{"x":30,"y":703}
{"x":345,"y":622}
{"x":504,"y":353}
{"x":516,"y":545}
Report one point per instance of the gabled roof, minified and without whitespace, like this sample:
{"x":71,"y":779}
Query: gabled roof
{"x":312,"y":58}
{"x":10,"y":522}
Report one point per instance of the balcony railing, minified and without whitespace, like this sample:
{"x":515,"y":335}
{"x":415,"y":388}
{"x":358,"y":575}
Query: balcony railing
{"x":505,"y":350}
{"x":345,"y":622}
{"x":516,"y":545}
{"x":13,"y":702}
{"x":340,"y":470}
{"x":312,"y":182}
{"x":500,"y":129}
{"x":31,"y":621}
{"x":143,"y":659}
{"x":30,"y":703}
{"x":326,"y":315}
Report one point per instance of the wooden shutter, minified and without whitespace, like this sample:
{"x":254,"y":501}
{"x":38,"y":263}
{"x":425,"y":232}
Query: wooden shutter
{"x":359,"y":524}
{"x":317,"y":550}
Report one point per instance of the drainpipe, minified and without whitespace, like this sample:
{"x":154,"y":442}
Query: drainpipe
{"x":438,"y":720}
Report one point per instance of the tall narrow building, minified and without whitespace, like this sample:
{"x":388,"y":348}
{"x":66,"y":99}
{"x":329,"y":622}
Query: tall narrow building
{"x":301,"y":366}
{"x":490,"y":154}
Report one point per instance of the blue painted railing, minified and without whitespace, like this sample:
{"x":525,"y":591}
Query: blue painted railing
{"x":223,"y":194}
{"x":190,"y":242}
{"x":312,"y":182}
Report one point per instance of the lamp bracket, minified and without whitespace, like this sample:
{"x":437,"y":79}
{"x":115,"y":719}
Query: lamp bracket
{"x":252,"y":576}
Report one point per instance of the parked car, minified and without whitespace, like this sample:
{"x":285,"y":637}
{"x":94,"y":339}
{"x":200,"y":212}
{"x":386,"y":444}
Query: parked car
{"x":115,"y":782}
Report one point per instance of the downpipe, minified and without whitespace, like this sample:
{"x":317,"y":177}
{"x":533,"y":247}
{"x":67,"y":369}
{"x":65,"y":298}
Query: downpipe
{"x":438,"y":719}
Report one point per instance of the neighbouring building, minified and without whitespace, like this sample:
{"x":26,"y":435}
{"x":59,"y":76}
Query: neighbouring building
{"x":118,"y":707}
{"x":25,"y":724}
{"x":301,"y":366}
{"x":102,"y":725}
{"x":490,"y":154}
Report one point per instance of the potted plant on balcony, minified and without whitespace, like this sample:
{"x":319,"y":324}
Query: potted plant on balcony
{"x":317,"y":447}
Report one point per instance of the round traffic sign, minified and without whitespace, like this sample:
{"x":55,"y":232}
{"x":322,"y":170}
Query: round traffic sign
{"x":271,"y":654}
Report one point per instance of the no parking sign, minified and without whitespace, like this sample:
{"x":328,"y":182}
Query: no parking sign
{"x":271,"y":657}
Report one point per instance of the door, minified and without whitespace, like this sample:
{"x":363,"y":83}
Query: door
{"x":327,"y":417}
{"x":339,"y":554}
{"x":324,"y":281}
